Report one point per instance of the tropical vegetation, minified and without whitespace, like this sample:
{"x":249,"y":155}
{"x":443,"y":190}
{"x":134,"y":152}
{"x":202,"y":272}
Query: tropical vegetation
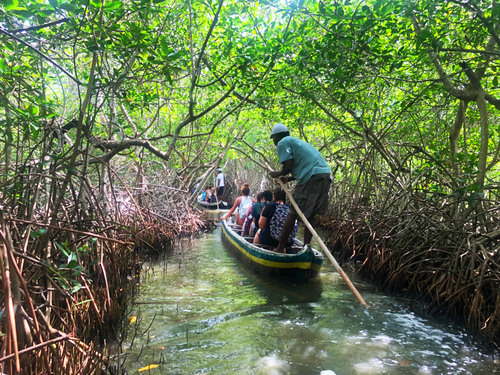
{"x":111,"y":110}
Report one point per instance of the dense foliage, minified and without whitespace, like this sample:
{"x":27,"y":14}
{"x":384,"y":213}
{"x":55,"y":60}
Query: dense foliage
{"x":401,"y":97}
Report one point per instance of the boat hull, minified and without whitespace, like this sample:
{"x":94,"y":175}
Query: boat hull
{"x":212,"y":206}
{"x":304,"y":265}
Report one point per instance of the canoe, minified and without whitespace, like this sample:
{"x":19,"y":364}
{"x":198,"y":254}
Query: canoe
{"x":303,"y":265}
{"x":211,"y":206}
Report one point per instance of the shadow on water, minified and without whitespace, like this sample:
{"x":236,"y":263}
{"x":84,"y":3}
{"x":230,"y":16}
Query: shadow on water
{"x":201,"y":311}
{"x":280,"y":291}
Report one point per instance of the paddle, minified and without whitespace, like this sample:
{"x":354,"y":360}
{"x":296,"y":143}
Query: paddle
{"x":322,"y":245}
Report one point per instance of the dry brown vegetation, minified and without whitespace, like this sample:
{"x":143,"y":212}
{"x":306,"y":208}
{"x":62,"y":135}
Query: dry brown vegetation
{"x":66,"y":275}
{"x":444,"y":250}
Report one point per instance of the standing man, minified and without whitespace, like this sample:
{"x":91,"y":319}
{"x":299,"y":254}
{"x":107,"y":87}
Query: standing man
{"x":220,"y":183}
{"x":313,"y":176}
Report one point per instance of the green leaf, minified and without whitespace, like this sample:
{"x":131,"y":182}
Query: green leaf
{"x":33,"y":110}
{"x":175,"y":55}
{"x":76,"y":288}
{"x":165,"y":48}
{"x":166,"y":72}
{"x":38,"y":233}
{"x":96,"y":4}
{"x":54,"y":3}
{"x":11,"y":4}
{"x":3,"y":66}
{"x":113,"y":5}
{"x":67,"y":6}
{"x":72,"y":260}
{"x":62,"y":248}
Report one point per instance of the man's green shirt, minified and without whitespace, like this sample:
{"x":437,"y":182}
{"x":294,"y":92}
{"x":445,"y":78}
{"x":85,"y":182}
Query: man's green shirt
{"x":307,"y":161}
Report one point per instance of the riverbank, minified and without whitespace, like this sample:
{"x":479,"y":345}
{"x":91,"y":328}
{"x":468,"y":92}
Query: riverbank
{"x":417,"y":250}
{"x":66,"y":287}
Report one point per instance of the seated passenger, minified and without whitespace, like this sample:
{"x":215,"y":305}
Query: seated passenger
{"x":265,"y":199}
{"x":249,"y":219}
{"x":204,"y":195}
{"x":209,"y":194}
{"x":241,"y":205}
{"x":271,"y":221}
{"x":213,"y":198}
{"x":251,"y":223}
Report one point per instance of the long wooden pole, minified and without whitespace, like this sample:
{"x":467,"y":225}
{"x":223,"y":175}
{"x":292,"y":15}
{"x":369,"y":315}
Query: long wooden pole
{"x":315,"y":234}
{"x":322,"y":245}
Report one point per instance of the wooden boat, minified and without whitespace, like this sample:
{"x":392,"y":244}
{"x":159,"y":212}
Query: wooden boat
{"x":303,"y":265}
{"x":212,"y":205}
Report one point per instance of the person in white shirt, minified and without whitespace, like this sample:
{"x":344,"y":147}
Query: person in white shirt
{"x":241,"y":205}
{"x":220,"y":183}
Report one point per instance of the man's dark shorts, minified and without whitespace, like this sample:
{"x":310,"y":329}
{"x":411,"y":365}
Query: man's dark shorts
{"x":312,"y":197}
{"x":220,"y":191}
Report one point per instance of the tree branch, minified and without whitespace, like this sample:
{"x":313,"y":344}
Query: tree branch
{"x":39,"y":27}
{"x":5,"y":32}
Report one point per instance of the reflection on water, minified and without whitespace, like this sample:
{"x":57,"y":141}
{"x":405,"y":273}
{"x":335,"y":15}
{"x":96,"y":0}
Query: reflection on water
{"x":201,"y":312}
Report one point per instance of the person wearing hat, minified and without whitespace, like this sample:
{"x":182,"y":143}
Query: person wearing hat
{"x":303,"y":163}
{"x":219,"y":183}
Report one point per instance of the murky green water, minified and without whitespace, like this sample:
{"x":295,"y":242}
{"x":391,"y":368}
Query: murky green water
{"x":201,"y":312}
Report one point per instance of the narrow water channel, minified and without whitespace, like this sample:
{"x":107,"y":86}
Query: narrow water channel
{"x":201,"y":312}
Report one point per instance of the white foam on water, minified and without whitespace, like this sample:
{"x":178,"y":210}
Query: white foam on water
{"x":272,"y":365}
